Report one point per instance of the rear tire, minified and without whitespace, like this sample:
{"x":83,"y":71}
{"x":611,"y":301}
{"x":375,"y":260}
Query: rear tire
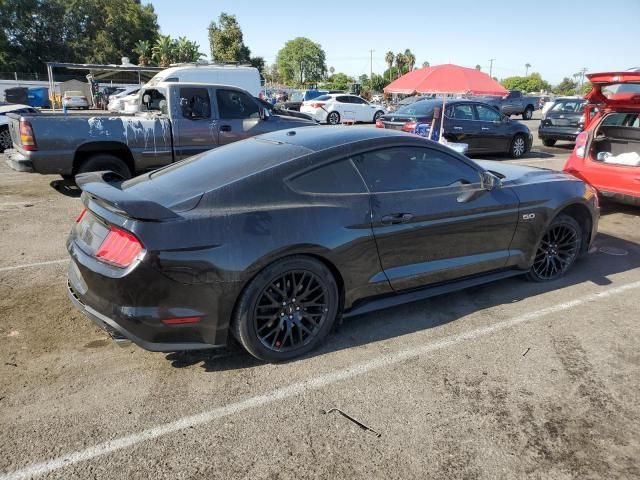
{"x":377,"y":115}
{"x":549,"y":142}
{"x":333,"y":118}
{"x":5,"y":139}
{"x":273,"y":332}
{"x":528,"y":113}
{"x":518,"y":146}
{"x":558,"y":250}
{"x":103,"y":161}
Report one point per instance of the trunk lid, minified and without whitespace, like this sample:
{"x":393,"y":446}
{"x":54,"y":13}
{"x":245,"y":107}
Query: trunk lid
{"x":615,"y":89}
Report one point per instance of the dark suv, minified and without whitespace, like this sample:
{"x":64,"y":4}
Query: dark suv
{"x":564,"y":121}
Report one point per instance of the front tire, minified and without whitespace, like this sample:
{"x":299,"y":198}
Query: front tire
{"x":103,"y":162}
{"x":528,"y":113}
{"x":287,"y":309}
{"x":5,"y":139}
{"x":377,"y":115}
{"x":558,"y":250}
{"x":333,"y":118}
{"x":518,"y":146}
{"x":549,"y":142}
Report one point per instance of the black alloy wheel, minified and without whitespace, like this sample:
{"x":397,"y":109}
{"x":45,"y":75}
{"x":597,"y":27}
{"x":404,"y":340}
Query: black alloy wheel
{"x":287,"y":309}
{"x":558,"y":250}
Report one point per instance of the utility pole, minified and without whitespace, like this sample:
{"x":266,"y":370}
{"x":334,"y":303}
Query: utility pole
{"x":582,"y":72}
{"x":371,"y":65}
{"x":491,"y":67}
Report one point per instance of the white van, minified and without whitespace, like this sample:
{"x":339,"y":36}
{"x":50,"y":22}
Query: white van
{"x":247,"y":78}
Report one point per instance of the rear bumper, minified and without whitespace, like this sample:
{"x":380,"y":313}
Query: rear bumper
{"x":559,"y":133}
{"x":17,"y":161}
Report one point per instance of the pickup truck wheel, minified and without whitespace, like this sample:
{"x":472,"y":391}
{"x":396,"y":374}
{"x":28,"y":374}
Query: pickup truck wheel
{"x":102,"y":162}
{"x":378,"y":114}
{"x":5,"y":139}
{"x":528,"y":113}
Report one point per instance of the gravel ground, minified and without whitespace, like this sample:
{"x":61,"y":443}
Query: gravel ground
{"x":508,"y":380}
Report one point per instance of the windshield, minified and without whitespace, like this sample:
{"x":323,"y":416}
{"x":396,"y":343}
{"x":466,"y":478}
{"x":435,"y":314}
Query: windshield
{"x":421,"y":108}
{"x":618,"y":88}
{"x":568,"y":106}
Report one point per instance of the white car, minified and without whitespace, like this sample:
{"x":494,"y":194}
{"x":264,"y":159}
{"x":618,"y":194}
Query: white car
{"x":5,"y":136}
{"x":75,"y":99}
{"x":336,"y":108}
{"x":122,"y":101}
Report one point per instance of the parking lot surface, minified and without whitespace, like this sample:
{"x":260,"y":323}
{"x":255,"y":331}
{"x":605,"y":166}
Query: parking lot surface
{"x":508,"y":380}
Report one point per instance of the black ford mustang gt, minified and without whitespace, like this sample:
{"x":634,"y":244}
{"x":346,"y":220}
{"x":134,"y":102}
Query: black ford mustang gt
{"x":273,"y":237}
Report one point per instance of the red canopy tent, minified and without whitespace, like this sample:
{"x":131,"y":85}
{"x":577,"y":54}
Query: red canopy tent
{"x":446,"y":79}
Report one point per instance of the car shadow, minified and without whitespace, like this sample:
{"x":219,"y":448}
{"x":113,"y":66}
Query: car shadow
{"x":66,"y":188}
{"x":595,"y":268}
{"x":505,"y":156}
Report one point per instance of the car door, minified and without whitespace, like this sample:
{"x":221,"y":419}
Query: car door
{"x":494,"y":133}
{"x":238,"y":116}
{"x":512,"y":103}
{"x":364,"y":110}
{"x":193,"y":123}
{"x":347,"y":110}
{"x":461,"y":127}
{"x":432,"y":219}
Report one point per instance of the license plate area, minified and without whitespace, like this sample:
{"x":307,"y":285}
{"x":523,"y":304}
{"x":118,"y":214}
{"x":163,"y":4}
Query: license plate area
{"x":90,"y":232}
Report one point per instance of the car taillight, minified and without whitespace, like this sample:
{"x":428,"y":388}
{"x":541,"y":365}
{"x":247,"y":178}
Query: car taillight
{"x":84,"y":210}
{"x":581,"y":142}
{"x":120,"y":248}
{"x":379,"y":124}
{"x":317,"y":105}
{"x":409,"y":126}
{"x":27,"y":139}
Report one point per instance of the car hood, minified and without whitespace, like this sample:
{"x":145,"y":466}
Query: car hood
{"x":520,"y":174}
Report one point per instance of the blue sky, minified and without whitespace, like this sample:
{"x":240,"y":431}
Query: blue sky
{"x":557,"y":38}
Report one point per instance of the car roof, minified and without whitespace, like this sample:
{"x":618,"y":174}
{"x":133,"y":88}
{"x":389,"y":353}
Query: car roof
{"x":316,"y":138}
{"x":12,"y":107}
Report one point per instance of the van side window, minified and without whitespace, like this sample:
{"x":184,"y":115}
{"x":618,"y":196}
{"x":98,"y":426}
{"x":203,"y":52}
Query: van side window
{"x":195,"y":103}
{"x":233,"y":104}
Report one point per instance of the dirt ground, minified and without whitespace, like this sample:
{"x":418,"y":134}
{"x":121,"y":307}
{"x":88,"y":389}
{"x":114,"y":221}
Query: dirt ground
{"x":509,"y":380}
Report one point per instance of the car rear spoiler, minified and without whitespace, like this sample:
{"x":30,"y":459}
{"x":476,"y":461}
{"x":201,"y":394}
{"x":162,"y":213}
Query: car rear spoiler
{"x":104,"y":189}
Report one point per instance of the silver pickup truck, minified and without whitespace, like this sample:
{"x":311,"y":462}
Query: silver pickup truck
{"x":176,"y":120}
{"x":514,"y":103}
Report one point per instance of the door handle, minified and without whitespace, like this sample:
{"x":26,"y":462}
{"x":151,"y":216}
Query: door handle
{"x":225,"y":128}
{"x":396,"y":218}
{"x":457,"y":128}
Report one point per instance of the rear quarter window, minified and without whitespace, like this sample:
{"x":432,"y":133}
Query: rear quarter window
{"x":338,"y":177}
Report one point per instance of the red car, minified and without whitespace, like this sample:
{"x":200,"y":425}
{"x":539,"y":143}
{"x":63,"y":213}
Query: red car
{"x":607,"y":152}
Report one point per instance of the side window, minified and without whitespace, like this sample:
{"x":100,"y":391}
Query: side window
{"x":487,"y":114}
{"x":463,"y":112}
{"x":412,"y":168}
{"x":195,"y":103}
{"x":337,"y":177}
{"x":154,"y":100}
{"x":357,"y":100}
{"x":343,"y":99}
{"x":236,"y":105}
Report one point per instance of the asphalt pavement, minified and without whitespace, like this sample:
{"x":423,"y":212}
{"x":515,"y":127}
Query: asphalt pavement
{"x":508,"y":380}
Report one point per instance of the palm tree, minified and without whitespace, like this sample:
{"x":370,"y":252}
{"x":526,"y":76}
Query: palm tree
{"x":163,"y":50}
{"x":478,"y":67}
{"x":389,"y":57}
{"x":142,"y":49}
{"x":401,"y":61}
{"x":527,"y":66}
{"x":181,"y":49}
{"x":425,"y":64}
{"x":410,"y":59}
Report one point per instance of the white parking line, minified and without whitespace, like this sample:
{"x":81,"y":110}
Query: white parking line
{"x":29,"y":265}
{"x":299,"y":388}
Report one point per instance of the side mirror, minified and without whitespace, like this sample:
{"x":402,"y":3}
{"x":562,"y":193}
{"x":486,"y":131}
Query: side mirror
{"x":489,"y":181}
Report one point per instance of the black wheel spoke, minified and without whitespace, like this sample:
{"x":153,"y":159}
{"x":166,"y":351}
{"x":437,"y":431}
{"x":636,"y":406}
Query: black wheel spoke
{"x":291,"y":310}
{"x":556,"y":252}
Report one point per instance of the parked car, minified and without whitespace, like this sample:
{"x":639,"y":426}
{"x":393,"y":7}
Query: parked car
{"x":563,"y":121}
{"x":335,"y":108}
{"x":408,"y":101}
{"x":119,"y":101}
{"x":470,"y":122}
{"x":213,"y":246}
{"x":75,"y":99}
{"x":297,"y":98}
{"x":5,"y":135}
{"x":276,"y":110}
{"x":246,"y":78}
{"x":514,"y":103}
{"x":176,"y":121}
{"x":607,"y":153}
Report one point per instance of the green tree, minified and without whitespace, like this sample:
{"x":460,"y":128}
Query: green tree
{"x":185,"y":51}
{"x":258,"y":62}
{"x":532,"y":83}
{"x":401,"y":64}
{"x":566,"y":87}
{"x":479,"y":67}
{"x":410,"y":59}
{"x":143,"y":50}
{"x":226,"y":40}
{"x":301,"y":61}
{"x":586,"y":88}
{"x":163,"y":50}
{"x":339,"y":81}
{"x":377,"y":83}
{"x":425,"y":64}
{"x":389,"y":57}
